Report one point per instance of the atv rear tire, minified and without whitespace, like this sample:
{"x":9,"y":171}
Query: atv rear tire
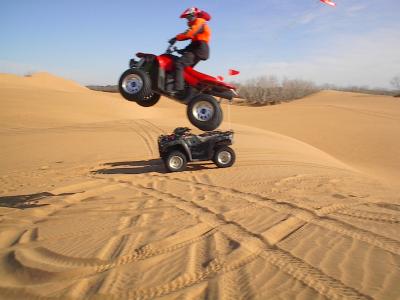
{"x":224,"y":157}
{"x":135,"y":85}
{"x":204,"y":112}
{"x":176,"y":161}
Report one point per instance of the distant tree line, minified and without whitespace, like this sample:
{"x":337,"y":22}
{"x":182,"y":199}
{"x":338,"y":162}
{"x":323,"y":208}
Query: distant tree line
{"x":395,"y":82}
{"x":360,"y":89}
{"x":268,"y":90}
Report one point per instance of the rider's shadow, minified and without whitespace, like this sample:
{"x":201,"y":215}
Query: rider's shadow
{"x":144,"y":166}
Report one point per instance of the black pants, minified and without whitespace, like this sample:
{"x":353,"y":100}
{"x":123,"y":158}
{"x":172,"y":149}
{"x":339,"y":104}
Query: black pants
{"x":188,"y":59}
{"x":195,"y":52}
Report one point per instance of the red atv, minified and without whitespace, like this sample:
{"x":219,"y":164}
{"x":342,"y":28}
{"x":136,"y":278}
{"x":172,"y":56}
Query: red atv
{"x":152,"y":76}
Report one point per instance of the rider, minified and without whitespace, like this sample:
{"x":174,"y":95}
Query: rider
{"x":198,"y":49}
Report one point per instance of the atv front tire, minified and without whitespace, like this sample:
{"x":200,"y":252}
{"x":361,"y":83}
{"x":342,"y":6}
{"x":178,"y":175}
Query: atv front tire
{"x":204,"y":112}
{"x":176,"y":161}
{"x":224,"y":157}
{"x":150,"y":100}
{"x":135,"y":85}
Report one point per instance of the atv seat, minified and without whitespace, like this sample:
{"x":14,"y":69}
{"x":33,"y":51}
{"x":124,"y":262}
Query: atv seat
{"x":193,"y":140}
{"x":205,"y":138}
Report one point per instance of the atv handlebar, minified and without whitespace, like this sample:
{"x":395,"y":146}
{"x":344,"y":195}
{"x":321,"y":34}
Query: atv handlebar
{"x":172,"y":41}
{"x":171,"y":49}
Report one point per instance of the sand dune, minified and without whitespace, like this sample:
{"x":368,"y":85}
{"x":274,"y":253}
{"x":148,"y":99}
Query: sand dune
{"x":361,"y":130}
{"x":87,"y":210}
{"x":41,"y":80}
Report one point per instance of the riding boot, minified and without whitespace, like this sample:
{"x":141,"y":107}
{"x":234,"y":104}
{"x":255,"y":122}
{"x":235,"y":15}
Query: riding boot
{"x":179,"y":79}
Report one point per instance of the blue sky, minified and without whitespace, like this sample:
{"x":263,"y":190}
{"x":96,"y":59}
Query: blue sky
{"x":355,"y":43}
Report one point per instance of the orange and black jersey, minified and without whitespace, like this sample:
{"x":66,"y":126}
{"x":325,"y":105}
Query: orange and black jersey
{"x":198,"y":31}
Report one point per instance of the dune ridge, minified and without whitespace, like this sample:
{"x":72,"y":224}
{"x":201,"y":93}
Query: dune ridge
{"x":87,"y":210}
{"x":42,"y":80}
{"x":360,"y":130}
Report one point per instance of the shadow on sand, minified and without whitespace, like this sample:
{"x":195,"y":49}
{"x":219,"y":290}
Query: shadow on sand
{"x":143,"y":167}
{"x":27,"y":201}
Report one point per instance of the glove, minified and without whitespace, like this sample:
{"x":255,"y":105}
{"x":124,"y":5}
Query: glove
{"x":172,"y":41}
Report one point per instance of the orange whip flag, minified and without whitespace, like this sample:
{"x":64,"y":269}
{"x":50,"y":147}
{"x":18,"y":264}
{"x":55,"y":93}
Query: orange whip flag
{"x":233,"y":72}
{"x":329,"y":2}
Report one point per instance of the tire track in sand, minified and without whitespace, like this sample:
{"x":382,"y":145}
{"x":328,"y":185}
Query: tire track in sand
{"x":151,"y":134}
{"x":115,"y":244}
{"x":157,"y":130}
{"x":30,"y":237}
{"x":44,"y":260}
{"x":31,"y":232}
{"x":231,"y":285}
{"x":147,"y":139}
{"x":108,"y":251}
{"x":302,"y":213}
{"x":211,"y":270}
{"x":293,"y":266}
{"x":45,"y":257}
{"x":370,"y":216}
{"x":187,"y":279}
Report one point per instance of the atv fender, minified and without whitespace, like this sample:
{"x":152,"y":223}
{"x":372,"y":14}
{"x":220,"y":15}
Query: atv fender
{"x":187,"y":151}
{"x":225,"y":142}
{"x":183,"y":147}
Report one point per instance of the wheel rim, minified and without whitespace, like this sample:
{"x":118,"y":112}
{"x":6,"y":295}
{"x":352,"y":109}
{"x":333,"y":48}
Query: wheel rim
{"x":176,"y":162}
{"x":224,"y":157}
{"x":203,"y":111}
{"x":132,"y":84}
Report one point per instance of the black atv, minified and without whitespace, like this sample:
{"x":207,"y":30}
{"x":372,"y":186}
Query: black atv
{"x":181,"y":146}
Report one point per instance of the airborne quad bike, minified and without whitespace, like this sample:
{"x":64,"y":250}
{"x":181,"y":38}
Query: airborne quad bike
{"x":182,"y":146}
{"x":152,"y":76}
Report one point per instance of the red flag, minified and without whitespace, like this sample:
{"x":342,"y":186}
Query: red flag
{"x":220,"y":78}
{"x":233,"y":72}
{"x":329,"y":2}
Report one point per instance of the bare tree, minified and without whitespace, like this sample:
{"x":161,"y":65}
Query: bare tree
{"x":297,"y":88}
{"x":396,"y":82}
{"x":268,"y":90}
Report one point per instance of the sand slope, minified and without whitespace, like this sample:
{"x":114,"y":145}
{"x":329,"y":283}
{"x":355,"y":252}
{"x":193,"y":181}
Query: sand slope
{"x":361,"y":130}
{"x":87,"y":210}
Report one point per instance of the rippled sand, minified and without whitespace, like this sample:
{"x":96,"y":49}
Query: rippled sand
{"x":310,"y":210}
